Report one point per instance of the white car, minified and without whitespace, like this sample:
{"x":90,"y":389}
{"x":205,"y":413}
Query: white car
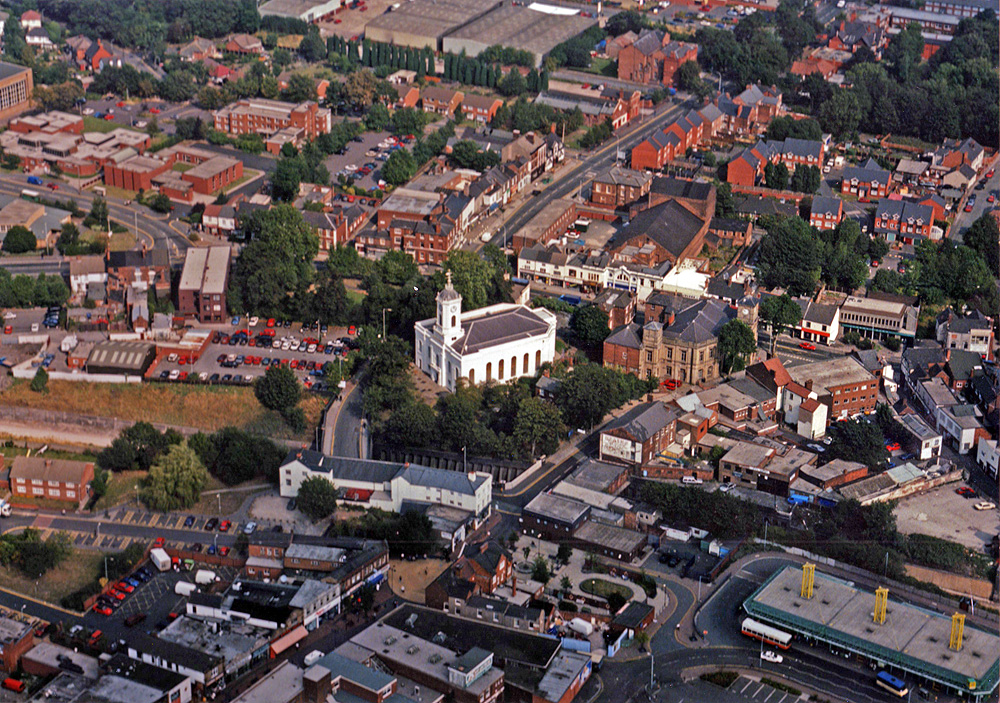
{"x":285,"y":345}
{"x":726,"y":487}
{"x":174,"y":375}
{"x":772,"y":657}
{"x":351,"y":168}
{"x":88,"y":111}
{"x":254,"y":320}
{"x":985,"y":505}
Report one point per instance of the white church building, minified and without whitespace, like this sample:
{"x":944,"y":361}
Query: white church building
{"x":496,"y":343}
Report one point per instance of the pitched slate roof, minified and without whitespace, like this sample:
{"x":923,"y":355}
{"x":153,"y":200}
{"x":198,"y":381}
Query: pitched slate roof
{"x":700,"y":323}
{"x":670,"y":224}
{"x":868,"y":172}
{"x":626,"y":336}
{"x":825,"y":205}
{"x":499,"y":327}
{"x":644,"y":421}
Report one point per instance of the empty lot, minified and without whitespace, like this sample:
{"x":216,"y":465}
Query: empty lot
{"x":945,"y":514}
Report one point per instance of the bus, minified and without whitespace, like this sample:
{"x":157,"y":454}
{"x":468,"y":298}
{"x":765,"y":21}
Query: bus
{"x":766,"y":633}
{"x":890,"y":683}
{"x":30,"y":195}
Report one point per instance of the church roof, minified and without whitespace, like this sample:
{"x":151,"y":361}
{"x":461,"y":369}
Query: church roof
{"x":499,"y":327}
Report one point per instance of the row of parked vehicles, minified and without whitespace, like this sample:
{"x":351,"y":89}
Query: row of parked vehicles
{"x":111,"y":599}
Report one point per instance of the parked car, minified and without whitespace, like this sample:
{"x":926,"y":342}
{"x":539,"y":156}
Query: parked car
{"x":212,"y":523}
{"x":966,"y":492}
{"x":808,"y":346}
{"x":984,"y":505}
{"x":249,"y":528}
{"x":225,"y":525}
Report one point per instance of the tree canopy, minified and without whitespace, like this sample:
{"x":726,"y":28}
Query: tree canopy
{"x":590,"y":325}
{"x":175,"y":481}
{"x":736,"y":343}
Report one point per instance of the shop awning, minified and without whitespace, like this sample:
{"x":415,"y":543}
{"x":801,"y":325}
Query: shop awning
{"x":288,"y":639}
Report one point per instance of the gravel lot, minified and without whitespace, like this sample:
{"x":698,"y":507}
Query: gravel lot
{"x":943,"y":513}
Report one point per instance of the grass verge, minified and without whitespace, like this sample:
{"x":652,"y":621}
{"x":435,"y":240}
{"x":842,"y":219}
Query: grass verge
{"x":206,"y":407}
{"x":791,"y":690}
{"x":121,"y":487}
{"x":721,"y":678}
{"x":79,"y":567}
{"x":120,"y":241}
{"x":602,"y":588}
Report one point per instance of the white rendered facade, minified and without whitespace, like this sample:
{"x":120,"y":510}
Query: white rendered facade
{"x":496,"y":343}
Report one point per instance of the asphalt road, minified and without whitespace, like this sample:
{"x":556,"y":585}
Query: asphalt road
{"x":155,"y":231}
{"x":963,"y":219}
{"x":590,"y":166}
{"x":348,"y":425}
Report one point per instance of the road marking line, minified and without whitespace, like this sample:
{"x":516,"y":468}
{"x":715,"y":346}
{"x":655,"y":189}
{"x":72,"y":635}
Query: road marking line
{"x":747,"y":686}
{"x":773,"y":691}
{"x":754,"y":695}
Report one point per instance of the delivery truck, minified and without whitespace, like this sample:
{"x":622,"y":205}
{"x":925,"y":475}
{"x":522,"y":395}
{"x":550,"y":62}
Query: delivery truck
{"x":204,"y":576}
{"x":160,"y":559}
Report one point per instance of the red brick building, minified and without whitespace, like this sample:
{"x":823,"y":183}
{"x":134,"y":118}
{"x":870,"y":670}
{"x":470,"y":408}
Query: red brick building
{"x":136,"y":173}
{"x":731,"y":231}
{"x":654,"y":58}
{"x":480,"y":107}
{"x":201,"y":292}
{"x":747,"y":169}
{"x":443,"y":101}
{"x":265,"y":117}
{"x":52,"y":479}
{"x":826,"y":212}
{"x":684,"y":133}
{"x":618,"y":187}
{"x":869,"y":181}
{"x":638,"y":435}
{"x":481,"y":570}
{"x":16,"y":638}
{"x":337,"y":225}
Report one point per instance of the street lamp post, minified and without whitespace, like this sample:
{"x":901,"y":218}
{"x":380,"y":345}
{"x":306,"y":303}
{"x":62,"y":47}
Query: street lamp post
{"x":137,"y":494}
{"x":384,"y":310}
{"x":219,"y":496}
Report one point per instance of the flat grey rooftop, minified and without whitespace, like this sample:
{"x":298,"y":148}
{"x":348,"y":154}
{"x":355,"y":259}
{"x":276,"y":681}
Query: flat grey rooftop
{"x":911,"y":637}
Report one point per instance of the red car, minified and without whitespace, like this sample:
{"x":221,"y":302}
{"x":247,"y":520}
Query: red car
{"x":968,"y":207}
{"x":337,"y":21}
{"x":989,"y":174}
{"x":965,"y":491}
{"x":892,"y":447}
{"x":154,"y":111}
{"x":270,"y":322}
{"x":670,"y":384}
{"x":352,"y":330}
{"x":52,"y":186}
{"x":809,"y":346}
{"x":109,"y":117}
{"x":158,"y":542}
{"x":990,"y":198}
{"x":223,"y":550}
{"x":225,"y":525}
{"x":120,"y":103}
{"x":117,"y":595}
{"x":102,"y":609}
{"x":124,"y":587}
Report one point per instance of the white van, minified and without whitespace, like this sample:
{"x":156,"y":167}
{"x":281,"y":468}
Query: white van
{"x":692,"y":480}
{"x":313,"y":657}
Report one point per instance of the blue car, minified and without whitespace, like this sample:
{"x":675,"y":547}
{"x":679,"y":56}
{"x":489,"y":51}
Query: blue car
{"x":211,"y":549}
{"x":34,"y":180}
{"x":236,"y":320}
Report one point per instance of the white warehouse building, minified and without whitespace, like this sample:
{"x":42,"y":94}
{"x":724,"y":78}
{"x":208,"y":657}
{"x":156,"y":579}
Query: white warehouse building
{"x":387,"y":485}
{"x":496,"y":343}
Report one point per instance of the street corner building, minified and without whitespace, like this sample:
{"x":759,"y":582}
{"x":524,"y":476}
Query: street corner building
{"x":499,"y":342}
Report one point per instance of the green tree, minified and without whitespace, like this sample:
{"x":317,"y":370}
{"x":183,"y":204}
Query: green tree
{"x":538,"y":427}
{"x":616,"y":601}
{"x":540,"y":570}
{"x":330,"y":304}
{"x":377,"y":118}
{"x":40,"y":381}
{"x":274,"y":271}
{"x":286,"y":179}
{"x":564,"y":553}
{"x":776,"y":176}
{"x":590,"y":325}
{"x":278,"y":389}
{"x":841,"y":114}
{"x":410,"y":425}
{"x":19,"y":240}
{"x":399,"y":167}
{"x":175,"y":481}
{"x":587,"y":395}
{"x":63,"y":96}
{"x":736,"y":343}
{"x":360,"y":88}
{"x":512,"y":84}
{"x":904,"y":51}
{"x":859,"y":441}
{"x":317,"y":498}
{"x":397,"y":267}
{"x":160,"y":203}
{"x":99,"y":484}
{"x":780,"y":313}
{"x":789,"y":256}
{"x":300,"y":87}
{"x":983,"y":237}
{"x":312,"y":48}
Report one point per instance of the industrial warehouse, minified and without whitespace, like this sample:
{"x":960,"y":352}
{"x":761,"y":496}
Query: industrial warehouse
{"x":473,"y":25}
{"x":898,"y":636}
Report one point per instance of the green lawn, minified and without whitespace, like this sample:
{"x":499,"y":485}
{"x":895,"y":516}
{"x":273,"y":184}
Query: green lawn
{"x":603,"y":67}
{"x":93,"y":124}
{"x":356,"y":297}
{"x":603,"y":589}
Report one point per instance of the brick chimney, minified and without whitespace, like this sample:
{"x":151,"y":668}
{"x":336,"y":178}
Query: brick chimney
{"x":809,"y":384}
{"x":669,"y":320}
{"x":513,"y":584}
